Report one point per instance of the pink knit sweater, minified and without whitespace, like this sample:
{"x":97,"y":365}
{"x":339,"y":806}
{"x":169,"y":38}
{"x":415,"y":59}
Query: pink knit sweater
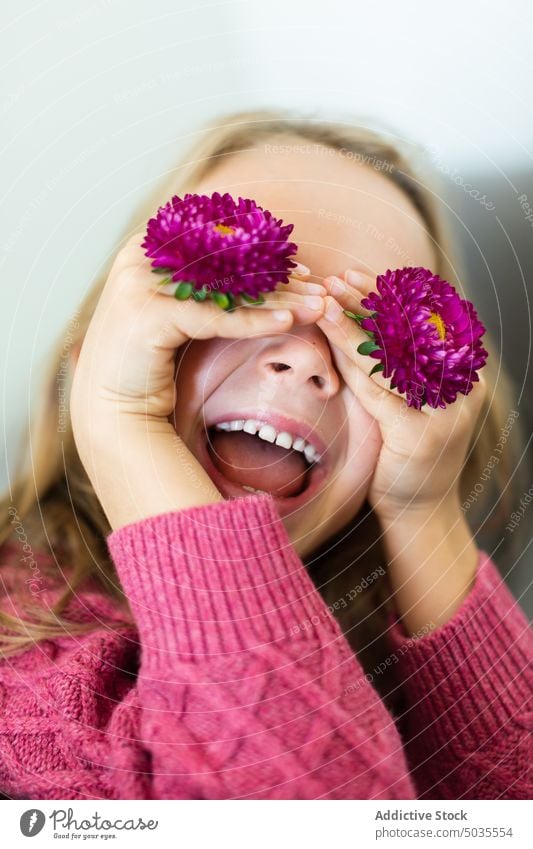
{"x":217,"y":693}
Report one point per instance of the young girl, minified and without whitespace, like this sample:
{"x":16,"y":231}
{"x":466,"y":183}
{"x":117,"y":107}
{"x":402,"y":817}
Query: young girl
{"x":192,"y":611}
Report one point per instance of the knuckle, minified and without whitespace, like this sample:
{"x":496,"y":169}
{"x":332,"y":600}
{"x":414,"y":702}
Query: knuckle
{"x":131,"y":254}
{"x":136,"y":239}
{"x":247,"y":321}
{"x":382,"y":394}
{"x":128,"y":279}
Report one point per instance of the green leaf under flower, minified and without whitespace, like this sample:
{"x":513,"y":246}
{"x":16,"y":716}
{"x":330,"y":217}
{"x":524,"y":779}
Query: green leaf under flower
{"x":367,"y":347}
{"x":200,"y":294}
{"x":376,"y":368}
{"x":357,"y":317}
{"x":183,"y":290}
{"x":221,"y":299}
{"x":232,"y":303}
{"x":249,"y":300}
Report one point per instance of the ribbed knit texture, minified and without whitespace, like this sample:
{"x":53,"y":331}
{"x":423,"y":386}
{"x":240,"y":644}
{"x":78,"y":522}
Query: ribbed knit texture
{"x":470,"y":689}
{"x":222,"y":688}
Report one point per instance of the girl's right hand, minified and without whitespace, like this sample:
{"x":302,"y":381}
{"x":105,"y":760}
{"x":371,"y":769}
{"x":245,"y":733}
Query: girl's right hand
{"x":127,"y":357}
{"x":123,"y":390}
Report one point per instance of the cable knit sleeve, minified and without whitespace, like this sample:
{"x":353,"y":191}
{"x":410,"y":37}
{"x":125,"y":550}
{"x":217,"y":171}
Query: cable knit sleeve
{"x":469,"y":686}
{"x":247,"y":687}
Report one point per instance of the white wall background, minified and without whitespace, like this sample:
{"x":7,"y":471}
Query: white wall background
{"x":97,"y":99}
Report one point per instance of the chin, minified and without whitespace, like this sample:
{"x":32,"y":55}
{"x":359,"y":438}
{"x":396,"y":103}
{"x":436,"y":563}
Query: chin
{"x":304,"y":533}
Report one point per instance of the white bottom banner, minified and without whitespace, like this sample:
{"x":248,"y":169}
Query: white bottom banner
{"x":268,"y":825}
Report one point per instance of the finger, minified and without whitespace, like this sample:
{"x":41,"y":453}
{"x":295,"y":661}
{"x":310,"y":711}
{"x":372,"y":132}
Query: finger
{"x":295,"y":285}
{"x":301,"y":270}
{"x":300,"y":296}
{"x":379,"y":402}
{"x":347,"y":296}
{"x":346,"y":335}
{"x":206,"y":320}
{"x":306,"y":308}
{"x":360,"y":280}
{"x":301,"y":287}
{"x":132,"y":255}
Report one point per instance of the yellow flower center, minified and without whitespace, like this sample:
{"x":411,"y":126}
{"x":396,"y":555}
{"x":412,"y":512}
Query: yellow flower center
{"x":224,"y":230}
{"x":439,"y":324}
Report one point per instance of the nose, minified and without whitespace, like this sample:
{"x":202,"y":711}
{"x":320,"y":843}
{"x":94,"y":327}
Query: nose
{"x":301,"y":358}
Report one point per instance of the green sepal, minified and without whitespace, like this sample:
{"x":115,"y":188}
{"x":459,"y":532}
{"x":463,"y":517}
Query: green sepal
{"x":221,"y":300}
{"x":160,"y":269}
{"x":249,"y":300}
{"x":232,"y":304}
{"x":377,"y":367}
{"x":183,"y":290}
{"x":199,"y":294}
{"x":358,"y":318}
{"x":164,"y":281}
{"x":367,"y":347}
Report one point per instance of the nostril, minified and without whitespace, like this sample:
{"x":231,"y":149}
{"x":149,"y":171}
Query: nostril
{"x":320,"y":381}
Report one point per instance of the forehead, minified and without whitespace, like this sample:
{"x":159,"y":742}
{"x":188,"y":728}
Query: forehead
{"x":345,"y":214}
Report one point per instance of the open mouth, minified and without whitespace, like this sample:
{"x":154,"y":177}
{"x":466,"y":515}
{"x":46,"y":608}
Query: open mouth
{"x":257,"y":456}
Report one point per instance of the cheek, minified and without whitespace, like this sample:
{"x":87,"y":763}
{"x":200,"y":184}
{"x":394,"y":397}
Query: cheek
{"x":363,"y":446}
{"x":365,"y":440}
{"x":201,"y":367}
{"x":352,"y":480}
{"x":194,"y":373}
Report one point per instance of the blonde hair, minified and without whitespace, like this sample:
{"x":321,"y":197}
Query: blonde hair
{"x":57,"y":506}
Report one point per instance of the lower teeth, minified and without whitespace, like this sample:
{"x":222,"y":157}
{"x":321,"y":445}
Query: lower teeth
{"x":251,"y":489}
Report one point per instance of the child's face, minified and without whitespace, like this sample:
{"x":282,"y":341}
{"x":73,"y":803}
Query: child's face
{"x":346,"y":215}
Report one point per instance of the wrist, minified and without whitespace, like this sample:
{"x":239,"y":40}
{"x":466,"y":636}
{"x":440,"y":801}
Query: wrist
{"x":108,"y":436}
{"x":432,"y":562}
{"x":419,"y":512}
{"x":140,"y":467}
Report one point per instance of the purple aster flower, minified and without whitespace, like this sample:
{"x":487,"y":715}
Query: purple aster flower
{"x":425,"y":336}
{"x":219,"y":248}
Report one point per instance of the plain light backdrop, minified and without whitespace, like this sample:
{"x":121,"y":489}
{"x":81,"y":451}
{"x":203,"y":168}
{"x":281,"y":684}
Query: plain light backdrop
{"x":98,"y":99}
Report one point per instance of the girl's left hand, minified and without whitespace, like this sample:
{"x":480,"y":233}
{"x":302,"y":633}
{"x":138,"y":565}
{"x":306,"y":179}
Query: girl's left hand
{"x":423,"y":451}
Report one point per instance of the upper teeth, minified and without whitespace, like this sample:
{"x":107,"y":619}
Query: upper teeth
{"x":269,"y":433}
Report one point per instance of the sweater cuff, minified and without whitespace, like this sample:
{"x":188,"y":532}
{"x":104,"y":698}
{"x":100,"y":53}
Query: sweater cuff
{"x":216,"y":578}
{"x":480,"y":657}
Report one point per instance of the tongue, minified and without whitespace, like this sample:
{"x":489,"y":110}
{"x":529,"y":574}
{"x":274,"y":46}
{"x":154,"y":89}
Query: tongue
{"x":249,"y":461}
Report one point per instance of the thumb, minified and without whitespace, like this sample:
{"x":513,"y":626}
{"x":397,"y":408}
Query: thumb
{"x":375,"y":397}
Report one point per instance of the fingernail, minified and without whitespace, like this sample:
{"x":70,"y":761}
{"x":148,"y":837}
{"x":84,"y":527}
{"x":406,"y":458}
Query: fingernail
{"x":301,"y":269}
{"x":354,"y":278}
{"x":337,"y":286}
{"x":315,"y":289}
{"x":281,"y":315}
{"x":313,"y":302}
{"x":333,"y":310}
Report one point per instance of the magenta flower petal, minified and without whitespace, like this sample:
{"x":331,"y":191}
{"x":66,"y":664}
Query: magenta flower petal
{"x":428,"y":338}
{"x":228,"y":247}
